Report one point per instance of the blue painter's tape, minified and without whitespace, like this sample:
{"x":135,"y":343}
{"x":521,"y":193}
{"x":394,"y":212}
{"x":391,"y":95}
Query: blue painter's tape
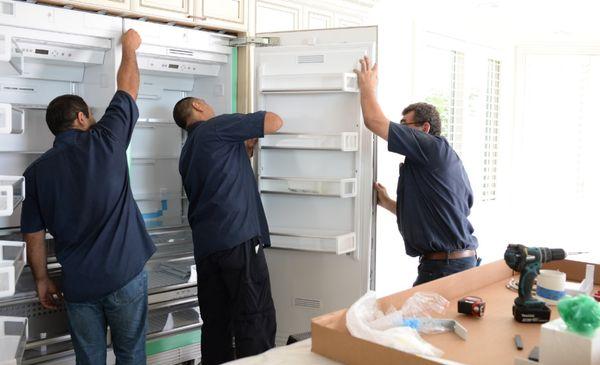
{"x":158,"y":213}
{"x":549,"y":293}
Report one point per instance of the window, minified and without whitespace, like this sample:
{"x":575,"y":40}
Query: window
{"x":445,"y":89}
{"x":490,"y":148}
{"x":555,"y":170}
{"x":452,"y":129}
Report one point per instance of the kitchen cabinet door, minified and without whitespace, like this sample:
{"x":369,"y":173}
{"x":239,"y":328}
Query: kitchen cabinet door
{"x":171,"y":9}
{"x":277,"y":16}
{"x":227,"y":10}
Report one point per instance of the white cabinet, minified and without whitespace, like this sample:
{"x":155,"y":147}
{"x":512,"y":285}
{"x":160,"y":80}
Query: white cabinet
{"x":277,"y":16}
{"x":317,"y":19}
{"x":344,"y":21}
{"x":227,"y":10}
{"x":105,"y":4}
{"x":222,"y":14}
{"x":171,"y":9}
{"x":284,"y":15}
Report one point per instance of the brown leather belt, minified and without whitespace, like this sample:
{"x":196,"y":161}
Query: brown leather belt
{"x":449,"y":255}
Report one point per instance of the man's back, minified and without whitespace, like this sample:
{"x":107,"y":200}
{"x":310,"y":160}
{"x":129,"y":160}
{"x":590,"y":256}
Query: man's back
{"x":224,"y":205}
{"x":434,"y":193}
{"x":79,"y":191}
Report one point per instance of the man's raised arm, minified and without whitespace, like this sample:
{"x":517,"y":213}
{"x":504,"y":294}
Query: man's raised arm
{"x":128,"y":76}
{"x":374,"y":118}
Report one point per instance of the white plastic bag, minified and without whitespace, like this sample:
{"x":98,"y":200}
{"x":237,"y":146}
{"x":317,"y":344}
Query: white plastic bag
{"x":415,"y":313}
{"x":365,"y":320}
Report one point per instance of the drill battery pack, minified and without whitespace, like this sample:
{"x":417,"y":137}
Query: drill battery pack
{"x":531,"y":314}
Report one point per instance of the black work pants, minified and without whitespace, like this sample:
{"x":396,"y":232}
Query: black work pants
{"x":236,"y":306}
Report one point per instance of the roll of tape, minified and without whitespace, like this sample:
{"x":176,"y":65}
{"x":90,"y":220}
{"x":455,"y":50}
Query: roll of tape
{"x":551,"y":285}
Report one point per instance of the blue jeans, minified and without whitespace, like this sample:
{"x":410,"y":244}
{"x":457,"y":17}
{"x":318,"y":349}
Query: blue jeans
{"x":434,"y":269}
{"x":125,"y":311}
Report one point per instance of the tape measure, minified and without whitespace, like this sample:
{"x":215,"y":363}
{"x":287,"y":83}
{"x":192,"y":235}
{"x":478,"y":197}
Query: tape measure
{"x":472,"y":306}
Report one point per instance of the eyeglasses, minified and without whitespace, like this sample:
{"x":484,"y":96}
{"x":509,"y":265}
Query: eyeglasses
{"x":403,"y":122}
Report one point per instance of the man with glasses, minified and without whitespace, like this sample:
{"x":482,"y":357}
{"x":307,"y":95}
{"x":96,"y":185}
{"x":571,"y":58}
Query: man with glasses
{"x":434,"y":196}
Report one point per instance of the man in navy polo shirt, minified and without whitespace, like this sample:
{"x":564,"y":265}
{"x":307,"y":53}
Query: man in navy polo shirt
{"x":229,"y":229}
{"x":79,"y":191}
{"x":434,"y":196}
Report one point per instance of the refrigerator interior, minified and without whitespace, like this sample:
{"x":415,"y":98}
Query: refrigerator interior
{"x":315,"y":175}
{"x":174,"y":63}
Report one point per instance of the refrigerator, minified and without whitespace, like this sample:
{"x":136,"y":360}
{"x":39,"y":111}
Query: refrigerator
{"x":315,"y":175}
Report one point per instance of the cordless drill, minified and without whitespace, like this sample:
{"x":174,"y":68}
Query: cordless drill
{"x":527,"y":261}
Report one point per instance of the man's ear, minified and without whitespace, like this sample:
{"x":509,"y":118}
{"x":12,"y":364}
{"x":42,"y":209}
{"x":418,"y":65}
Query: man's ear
{"x":80,"y":121}
{"x":426,"y":127}
{"x":196,"y":104}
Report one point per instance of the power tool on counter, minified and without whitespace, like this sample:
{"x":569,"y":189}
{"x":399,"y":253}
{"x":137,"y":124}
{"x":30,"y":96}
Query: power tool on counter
{"x":527,"y":261}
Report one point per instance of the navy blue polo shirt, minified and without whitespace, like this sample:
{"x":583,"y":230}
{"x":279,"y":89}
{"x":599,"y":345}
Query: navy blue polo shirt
{"x":434,"y":193}
{"x":79,"y":191}
{"x":225,"y":209}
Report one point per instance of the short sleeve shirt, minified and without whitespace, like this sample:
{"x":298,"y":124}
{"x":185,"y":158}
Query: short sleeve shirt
{"x":79,"y":191}
{"x":434,"y":195}
{"x":225,"y":209}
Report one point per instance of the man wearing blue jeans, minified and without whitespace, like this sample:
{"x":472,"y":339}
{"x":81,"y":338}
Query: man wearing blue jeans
{"x":434,"y":196}
{"x":79,"y":192}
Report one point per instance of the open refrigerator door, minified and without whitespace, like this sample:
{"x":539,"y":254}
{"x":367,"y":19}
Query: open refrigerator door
{"x":316,"y":174}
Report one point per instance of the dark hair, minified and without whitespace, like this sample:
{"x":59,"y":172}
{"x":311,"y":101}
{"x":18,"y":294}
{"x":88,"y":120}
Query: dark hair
{"x":182,"y":111}
{"x":425,"y":112}
{"x":62,"y":112}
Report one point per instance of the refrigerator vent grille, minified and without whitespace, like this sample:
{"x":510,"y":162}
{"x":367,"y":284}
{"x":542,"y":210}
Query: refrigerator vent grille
{"x":307,"y":303}
{"x":313,"y":58}
{"x":181,"y":52}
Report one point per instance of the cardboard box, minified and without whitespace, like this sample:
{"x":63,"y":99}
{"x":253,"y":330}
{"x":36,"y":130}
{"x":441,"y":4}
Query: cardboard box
{"x":490,"y":338}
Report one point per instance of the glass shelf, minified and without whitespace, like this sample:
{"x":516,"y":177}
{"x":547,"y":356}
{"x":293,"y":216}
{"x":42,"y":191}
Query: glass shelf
{"x":313,"y":240}
{"x":347,"y":141}
{"x":154,"y":122}
{"x":12,"y":193}
{"x":342,"y":188}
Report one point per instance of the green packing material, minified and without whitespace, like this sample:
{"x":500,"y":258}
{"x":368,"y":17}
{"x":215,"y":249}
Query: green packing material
{"x":580,"y":313}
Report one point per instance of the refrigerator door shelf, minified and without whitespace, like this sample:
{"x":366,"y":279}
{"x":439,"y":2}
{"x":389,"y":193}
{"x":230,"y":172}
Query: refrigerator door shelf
{"x":12,"y":261}
{"x":12,"y":120}
{"x":342,"y":188}
{"x":13,"y":337}
{"x":311,"y":83}
{"x":338,"y":243}
{"x":12,"y":193}
{"x":347,"y":141}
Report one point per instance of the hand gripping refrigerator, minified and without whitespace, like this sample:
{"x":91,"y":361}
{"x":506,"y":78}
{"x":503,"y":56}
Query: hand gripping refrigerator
{"x":315,"y":175}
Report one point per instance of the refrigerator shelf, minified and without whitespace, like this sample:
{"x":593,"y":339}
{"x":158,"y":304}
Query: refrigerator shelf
{"x":311,"y":83}
{"x":12,"y":193}
{"x":12,"y":120}
{"x":154,"y":123}
{"x":158,"y":196}
{"x":12,"y":261}
{"x":342,"y":188}
{"x":346,"y":141}
{"x":314,"y":240}
{"x":13,"y":337}
{"x":150,"y":160}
